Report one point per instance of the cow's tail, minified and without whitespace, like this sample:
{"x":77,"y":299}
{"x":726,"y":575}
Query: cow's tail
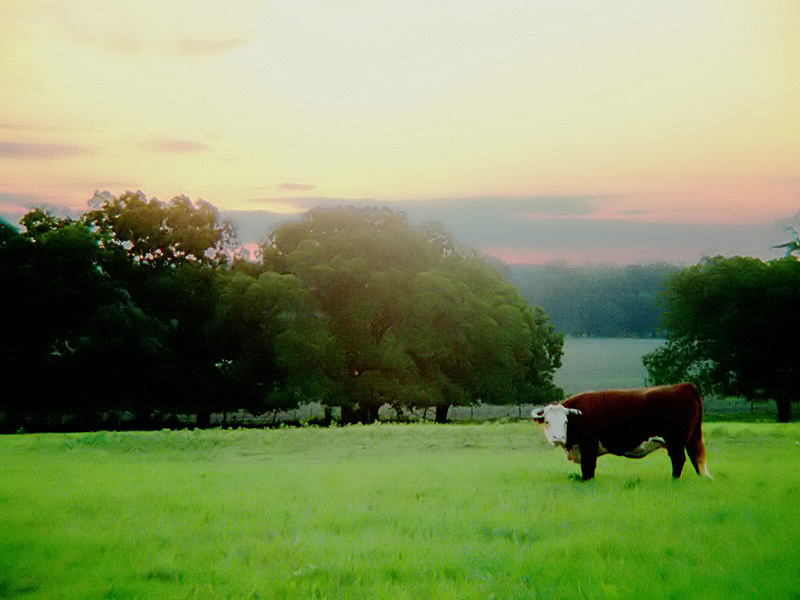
{"x":694,"y":446}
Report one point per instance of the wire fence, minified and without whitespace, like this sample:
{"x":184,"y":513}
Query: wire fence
{"x":310,"y":413}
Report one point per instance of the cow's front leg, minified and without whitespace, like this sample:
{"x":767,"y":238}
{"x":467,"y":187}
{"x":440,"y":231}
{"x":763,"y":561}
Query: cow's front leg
{"x":588,"y":461}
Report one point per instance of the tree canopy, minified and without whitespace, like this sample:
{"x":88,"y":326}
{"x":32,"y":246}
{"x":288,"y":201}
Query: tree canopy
{"x":146,"y":307}
{"x":733,"y":327}
{"x":107,"y":320}
{"x":412,"y":319}
{"x":160,"y":234}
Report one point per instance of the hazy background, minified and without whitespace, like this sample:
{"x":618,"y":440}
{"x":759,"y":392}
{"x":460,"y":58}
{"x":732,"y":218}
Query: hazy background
{"x":586,"y":131}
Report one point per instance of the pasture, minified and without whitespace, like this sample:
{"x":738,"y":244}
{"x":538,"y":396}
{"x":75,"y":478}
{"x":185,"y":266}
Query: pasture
{"x":393,"y":511}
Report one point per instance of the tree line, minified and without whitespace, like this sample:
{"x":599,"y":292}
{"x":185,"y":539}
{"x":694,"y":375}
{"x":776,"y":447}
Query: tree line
{"x":151,"y":308}
{"x":731,"y":323}
{"x":598,"y":300}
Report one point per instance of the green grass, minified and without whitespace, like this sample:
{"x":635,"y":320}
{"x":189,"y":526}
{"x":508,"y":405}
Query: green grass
{"x":393,"y":511}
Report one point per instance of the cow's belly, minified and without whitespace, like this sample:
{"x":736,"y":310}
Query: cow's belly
{"x":645,"y":448}
{"x":649,"y":445}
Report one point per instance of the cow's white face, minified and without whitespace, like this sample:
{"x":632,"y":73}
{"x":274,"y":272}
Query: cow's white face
{"x":554,"y":417}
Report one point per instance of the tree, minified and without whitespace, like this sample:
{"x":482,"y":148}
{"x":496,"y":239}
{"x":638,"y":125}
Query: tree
{"x":732,"y":328}
{"x":273,"y":346}
{"x":55,"y":285}
{"x":478,"y":341}
{"x":119,"y":361}
{"x":162,"y":234}
{"x":135,"y":307}
{"x":352,"y":263}
{"x":412,"y":320}
{"x":172,"y":259}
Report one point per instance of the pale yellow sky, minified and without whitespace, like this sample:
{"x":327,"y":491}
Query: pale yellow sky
{"x":681,"y":111}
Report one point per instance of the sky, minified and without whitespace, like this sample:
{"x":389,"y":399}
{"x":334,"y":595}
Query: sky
{"x":584,"y":131}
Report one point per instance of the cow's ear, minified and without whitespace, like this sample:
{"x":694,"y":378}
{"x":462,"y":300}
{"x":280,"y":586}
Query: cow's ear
{"x":574,"y":411}
{"x":537,"y":414}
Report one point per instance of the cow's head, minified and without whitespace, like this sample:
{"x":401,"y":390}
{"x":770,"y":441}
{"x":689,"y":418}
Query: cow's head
{"x":554,"y":417}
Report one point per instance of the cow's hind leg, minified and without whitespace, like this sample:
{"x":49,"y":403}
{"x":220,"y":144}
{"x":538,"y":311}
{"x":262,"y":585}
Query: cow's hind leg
{"x":697,"y":453}
{"x":678,"y":458}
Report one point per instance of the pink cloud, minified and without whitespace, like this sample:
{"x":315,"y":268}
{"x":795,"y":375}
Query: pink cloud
{"x":610,"y":254}
{"x":199,"y":47}
{"x":296,"y":187}
{"x":288,"y":187}
{"x":173,"y":146}
{"x":41,"y":151}
{"x":97,"y":184}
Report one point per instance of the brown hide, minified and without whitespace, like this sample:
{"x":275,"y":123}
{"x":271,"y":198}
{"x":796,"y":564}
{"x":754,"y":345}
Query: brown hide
{"x":621,"y":420}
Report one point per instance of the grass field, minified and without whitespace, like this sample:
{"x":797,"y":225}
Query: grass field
{"x":393,"y":511}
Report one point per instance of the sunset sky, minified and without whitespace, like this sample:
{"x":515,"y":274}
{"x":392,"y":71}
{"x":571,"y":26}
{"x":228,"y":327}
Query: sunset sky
{"x":534,"y":130}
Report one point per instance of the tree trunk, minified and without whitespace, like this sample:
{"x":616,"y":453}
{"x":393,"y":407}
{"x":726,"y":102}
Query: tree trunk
{"x":361,"y":413}
{"x":441,"y":412}
{"x":11,"y":422}
{"x":348,"y":415}
{"x":143,"y":420}
{"x":368,"y":413}
{"x":784,"y":404}
{"x":203,"y":419}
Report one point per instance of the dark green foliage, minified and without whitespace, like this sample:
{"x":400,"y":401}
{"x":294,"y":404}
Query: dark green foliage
{"x":733,"y":327}
{"x":53,"y":286}
{"x":597,"y":300}
{"x":271,"y":342}
{"x":413,"y":320}
{"x":112,"y":312}
{"x":162,"y":234}
{"x":144,"y":307}
{"x":7,"y":230}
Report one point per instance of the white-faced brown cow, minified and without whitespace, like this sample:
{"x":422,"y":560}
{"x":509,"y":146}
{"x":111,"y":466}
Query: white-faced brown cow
{"x":630,"y":423}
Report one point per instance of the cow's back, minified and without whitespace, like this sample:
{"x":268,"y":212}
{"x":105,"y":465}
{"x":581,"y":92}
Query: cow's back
{"x":622,"y":419}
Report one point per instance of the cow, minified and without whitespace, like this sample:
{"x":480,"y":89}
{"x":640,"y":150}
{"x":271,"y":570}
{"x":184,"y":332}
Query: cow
{"x":632,"y":423}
